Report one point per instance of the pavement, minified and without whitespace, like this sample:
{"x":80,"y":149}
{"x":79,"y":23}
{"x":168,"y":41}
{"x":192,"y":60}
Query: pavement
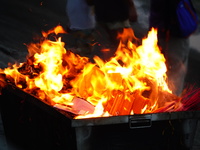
{"x":21,"y":21}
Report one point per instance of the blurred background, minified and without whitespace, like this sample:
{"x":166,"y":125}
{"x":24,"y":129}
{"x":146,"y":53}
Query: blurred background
{"x":23,"y":20}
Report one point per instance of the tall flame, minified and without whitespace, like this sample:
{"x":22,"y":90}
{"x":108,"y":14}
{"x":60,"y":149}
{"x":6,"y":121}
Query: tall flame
{"x":130,"y":82}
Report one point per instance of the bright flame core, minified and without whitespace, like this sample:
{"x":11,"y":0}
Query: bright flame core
{"x":131,"y":82}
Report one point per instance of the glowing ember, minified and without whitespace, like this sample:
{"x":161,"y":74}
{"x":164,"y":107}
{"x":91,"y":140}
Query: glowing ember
{"x":131,"y":82}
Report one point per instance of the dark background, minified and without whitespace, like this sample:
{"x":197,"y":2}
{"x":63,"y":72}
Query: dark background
{"x":23,"y":20}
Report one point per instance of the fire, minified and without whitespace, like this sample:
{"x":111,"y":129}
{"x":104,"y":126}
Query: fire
{"x":131,"y":82}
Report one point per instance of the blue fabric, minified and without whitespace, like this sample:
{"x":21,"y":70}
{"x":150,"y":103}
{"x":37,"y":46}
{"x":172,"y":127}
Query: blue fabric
{"x":187,"y":18}
{"x":80,"y":15}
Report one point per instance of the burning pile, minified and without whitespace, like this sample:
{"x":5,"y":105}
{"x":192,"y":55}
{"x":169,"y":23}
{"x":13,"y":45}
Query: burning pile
{"x":132,"y":82}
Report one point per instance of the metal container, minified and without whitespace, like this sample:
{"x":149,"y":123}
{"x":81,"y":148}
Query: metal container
{"x":31,"y":124}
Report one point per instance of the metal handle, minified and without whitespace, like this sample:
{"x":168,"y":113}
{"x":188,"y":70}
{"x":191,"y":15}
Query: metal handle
{"x":140,"y":121}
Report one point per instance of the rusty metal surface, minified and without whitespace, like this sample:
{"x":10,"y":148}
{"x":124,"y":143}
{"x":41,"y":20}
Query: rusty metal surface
{"x":31,"y":124}
{"x":36,"y":121}
{"x":125,"y":119}
{"x":3,"y":143}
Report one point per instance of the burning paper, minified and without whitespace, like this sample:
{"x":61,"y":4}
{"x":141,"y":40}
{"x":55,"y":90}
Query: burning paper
{"x":78,"y":107}
{"x":132,"y":82}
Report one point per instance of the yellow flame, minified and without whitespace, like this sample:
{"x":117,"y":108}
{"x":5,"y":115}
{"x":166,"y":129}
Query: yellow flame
{"x":115,"y":87}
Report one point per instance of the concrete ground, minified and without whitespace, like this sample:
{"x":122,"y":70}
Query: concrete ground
{"x":22,"y":20}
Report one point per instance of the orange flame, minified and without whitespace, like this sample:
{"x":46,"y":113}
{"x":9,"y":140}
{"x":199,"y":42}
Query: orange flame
{"x":131,"y":82}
